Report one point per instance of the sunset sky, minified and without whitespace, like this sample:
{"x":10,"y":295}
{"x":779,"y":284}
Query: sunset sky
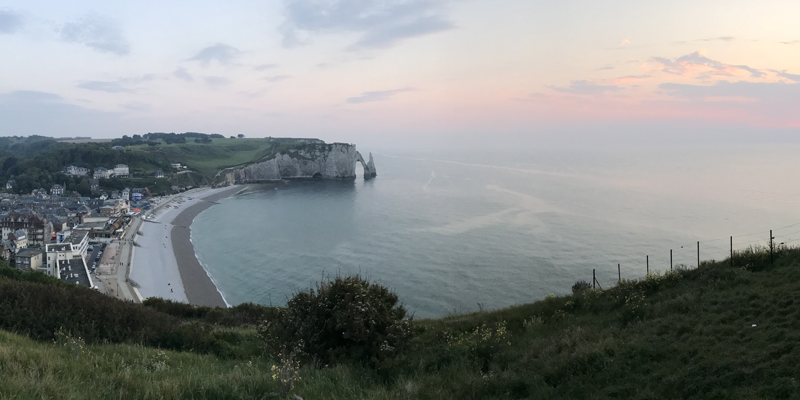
{"x":395,"y":71}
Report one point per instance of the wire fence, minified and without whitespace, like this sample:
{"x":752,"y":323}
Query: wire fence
{"x":692,"y":255}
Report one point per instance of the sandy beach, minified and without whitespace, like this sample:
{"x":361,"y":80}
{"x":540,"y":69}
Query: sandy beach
{"x":164,"y":263}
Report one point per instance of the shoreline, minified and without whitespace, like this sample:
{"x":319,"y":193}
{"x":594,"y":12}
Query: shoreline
{"x":197,"y":283}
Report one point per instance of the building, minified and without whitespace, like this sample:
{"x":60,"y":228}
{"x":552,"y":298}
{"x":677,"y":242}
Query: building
{"x":117,"y":147}
{"x":139,"y":193}
{"x":65,"y":262}
{"x":76,"y":171}
{"x":19,"y":238}
{"x":14,"y":243}
{"x":102,"y":173}
{"x":57,"y":190}
{"x":94,"y":184}
{"x":80,"y":242}
{"x":10,"y":184}
{"x":125,"y":194}
{"x":176,"y":165}
{"x":107,"y":211}
{"x":29,"y":259}
{"x":159,"y":173}
{"x":121,"y":170}
{"x":38,"y":228}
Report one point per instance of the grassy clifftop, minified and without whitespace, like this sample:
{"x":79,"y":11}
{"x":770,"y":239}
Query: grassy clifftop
{"x":720,"y":331}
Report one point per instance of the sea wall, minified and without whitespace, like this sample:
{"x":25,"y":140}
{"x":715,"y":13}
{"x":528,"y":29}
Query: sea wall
{"x":310,"y":161}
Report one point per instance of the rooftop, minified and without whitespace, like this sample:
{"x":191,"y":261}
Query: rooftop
{"x":73,"y":271}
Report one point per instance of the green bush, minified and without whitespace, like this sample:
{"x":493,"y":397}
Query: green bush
{"x":345,"y":319}
{"x":580,"y":286}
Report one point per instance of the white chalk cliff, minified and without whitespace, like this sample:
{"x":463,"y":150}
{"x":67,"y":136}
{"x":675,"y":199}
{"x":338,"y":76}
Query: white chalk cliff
{"x":318,"y":161}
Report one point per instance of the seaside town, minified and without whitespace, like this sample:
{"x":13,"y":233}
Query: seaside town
{"x":82,"y":240}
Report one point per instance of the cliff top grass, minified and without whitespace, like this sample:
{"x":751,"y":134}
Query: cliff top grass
{"x":728,"y":330}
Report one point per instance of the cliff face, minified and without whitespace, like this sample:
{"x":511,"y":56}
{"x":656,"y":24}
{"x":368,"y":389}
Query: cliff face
{"x":320,"y":161}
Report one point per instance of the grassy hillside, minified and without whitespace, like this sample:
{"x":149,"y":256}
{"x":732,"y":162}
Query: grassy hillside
{"x":208,"y":158}
{"x":721,"y":331}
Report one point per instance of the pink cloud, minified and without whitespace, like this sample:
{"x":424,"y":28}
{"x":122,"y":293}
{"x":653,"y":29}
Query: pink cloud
{"x":697,"y":62}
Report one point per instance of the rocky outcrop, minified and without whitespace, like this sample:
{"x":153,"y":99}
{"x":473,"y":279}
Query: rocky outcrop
{"x":369,"y":167}
{"x":304,"y":161}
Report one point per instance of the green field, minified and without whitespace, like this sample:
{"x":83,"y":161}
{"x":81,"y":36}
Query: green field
{"x":208,"y":158}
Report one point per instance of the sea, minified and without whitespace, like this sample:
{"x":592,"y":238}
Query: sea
{"x":455,"y":231}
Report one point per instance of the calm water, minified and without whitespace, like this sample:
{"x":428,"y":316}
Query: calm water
{"x":451,"y":230}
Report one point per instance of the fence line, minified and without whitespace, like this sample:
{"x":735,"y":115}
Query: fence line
{"x":696,"y":249}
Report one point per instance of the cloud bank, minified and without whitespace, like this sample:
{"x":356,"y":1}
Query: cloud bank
{"x":97,"y":33}
{"x":381,"y":24}
{"x":222,"y":53}
{"x":694,"y":61}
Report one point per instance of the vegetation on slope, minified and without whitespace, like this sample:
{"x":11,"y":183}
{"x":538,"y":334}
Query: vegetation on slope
{"x":39,"y":162}
{"x":726,"y":330}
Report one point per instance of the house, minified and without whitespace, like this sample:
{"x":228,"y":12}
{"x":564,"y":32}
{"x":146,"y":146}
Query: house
{"x":159,"y":173}
{"x":57,"y":190}
{"x":176,"y":165}
{"x":114,"y":194}
{"x":94,"y":184}
{"x":103,"y":196}
{"x":29,"y":259}
{"x":102,"y":173}
{"x":117,"y":147}
{"x":77,"y":171}
{"x":121,"y":170}
{"x":10,"y":184}
{"x":19,"y":238}
{"x":125,"y":194}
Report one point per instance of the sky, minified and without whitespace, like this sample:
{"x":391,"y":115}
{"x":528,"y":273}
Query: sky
{"x":403,"y":71}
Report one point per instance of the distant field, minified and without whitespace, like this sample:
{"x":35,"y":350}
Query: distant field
{"x":88,"y":140}
{"x":208,"y":158}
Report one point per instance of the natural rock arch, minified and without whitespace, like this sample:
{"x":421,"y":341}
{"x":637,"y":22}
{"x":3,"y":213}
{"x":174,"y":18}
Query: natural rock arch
{"x":369,"y":167}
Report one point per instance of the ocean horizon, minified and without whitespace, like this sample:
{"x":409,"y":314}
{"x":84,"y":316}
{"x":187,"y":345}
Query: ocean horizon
{"x":455,"y":231}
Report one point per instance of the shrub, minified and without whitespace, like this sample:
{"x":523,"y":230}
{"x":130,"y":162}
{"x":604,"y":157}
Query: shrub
{"x":580,"y":286}
{"x":343,"y":319}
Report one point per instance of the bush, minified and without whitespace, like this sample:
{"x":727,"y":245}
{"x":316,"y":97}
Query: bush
{"x":580,"y":286}
{"x":343,"y":319}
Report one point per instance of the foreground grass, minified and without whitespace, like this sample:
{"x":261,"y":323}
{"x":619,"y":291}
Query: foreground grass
{"x":687,"y":334}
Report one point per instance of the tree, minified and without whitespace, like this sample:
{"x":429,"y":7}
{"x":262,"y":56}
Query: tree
{"x":240,"y":135}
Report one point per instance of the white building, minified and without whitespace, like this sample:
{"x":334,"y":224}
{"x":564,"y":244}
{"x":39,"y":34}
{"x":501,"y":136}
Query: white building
{"x":57,"y":190}
{"x":121,"y":170}
{"x":102,"y":173}
{"x":125,"y":194}
{"x":176,"y":165}
{"x":10,"y":184}
{"x":77,"y":171}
